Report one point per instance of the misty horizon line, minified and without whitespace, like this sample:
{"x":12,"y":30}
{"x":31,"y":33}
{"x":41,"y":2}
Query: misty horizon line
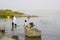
{"x":38,"y":12}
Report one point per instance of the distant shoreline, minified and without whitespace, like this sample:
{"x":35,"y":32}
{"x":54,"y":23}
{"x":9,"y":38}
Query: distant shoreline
{"x":10,"y":13}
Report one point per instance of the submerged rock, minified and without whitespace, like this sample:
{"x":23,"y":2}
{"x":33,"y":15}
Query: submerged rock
{"x":32,"y":32}
{"x":6,"y":38}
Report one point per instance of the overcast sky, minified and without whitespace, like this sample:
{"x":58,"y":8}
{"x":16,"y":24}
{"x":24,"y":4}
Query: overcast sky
{"x":35,"y":7}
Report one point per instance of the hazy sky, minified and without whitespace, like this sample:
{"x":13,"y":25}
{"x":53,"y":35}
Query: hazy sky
{"x":36,"y":7}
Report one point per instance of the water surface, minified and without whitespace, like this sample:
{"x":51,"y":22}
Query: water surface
{"x":49,"y":25}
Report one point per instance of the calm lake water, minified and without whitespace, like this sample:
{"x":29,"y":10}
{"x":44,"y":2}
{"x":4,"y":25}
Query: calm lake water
{"x":49,"y":25}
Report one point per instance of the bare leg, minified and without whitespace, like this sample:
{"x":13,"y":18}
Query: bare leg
{"x":12,"y":26}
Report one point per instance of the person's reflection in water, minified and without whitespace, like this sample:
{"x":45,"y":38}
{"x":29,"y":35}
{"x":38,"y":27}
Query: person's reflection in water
{"x":12,"y":26}
{"x":32,"y":38}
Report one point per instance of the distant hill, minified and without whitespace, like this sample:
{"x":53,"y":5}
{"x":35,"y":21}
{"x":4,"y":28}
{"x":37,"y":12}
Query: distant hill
{"x":7,"y":12}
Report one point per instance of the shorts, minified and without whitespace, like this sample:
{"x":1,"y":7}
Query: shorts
{"x":12,"y":23}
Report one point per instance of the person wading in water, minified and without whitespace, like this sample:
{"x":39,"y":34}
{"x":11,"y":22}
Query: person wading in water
{"x":13,"y":22}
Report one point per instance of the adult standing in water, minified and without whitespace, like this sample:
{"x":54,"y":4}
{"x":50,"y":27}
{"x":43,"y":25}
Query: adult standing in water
{"x":13,"y":22}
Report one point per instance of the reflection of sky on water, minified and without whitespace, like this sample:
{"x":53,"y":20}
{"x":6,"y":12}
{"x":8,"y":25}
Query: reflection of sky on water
{"x":48,"y":25}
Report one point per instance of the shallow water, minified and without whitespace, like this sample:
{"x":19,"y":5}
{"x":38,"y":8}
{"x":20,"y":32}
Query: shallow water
{"x":50,"y":27}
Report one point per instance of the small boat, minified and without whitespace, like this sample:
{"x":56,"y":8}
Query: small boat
{"x":31,"y":32}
